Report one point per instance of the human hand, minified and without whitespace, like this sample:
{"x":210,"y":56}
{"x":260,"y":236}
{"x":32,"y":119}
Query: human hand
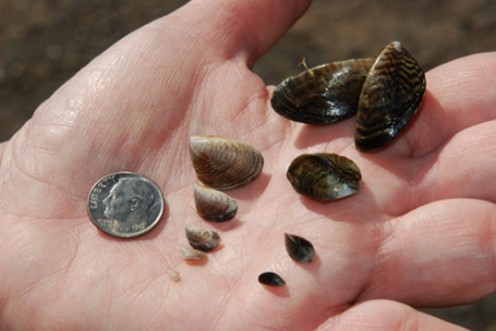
{"x":419,"y":233}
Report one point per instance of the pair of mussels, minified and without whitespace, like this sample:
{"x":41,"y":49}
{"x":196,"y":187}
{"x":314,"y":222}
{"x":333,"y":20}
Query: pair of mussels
{"x":384,"y":92}
{"x":299,"y":249}
{"x":222,"y":164}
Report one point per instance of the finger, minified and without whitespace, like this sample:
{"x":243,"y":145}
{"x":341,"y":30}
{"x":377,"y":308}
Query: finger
{"x":459,"y":94}
{"x":385,"y":315}
{"x":463,"y":168}
{"x":241,"y":26}
{"x":440,"y":254}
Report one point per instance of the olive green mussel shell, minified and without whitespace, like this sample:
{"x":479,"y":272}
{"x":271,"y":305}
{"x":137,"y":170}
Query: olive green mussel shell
{"x":323,"y":94}
{"x":390,"y":96}
{"x":224,"y":164}
{"x":324,"y":177}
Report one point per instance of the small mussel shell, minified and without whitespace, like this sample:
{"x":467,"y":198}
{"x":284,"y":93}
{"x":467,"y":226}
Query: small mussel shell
{"x":213,"y":205}
{"x":391,"y":95}
{"x":298,"y":248}
{"x":271,"y":279}
{"x":189,"y":253}
{"x":202,"y":239}
{"x":174,"y":275}
{"x":224,"y":164}
{"x":324,"y":177}
{"x":323,"y":94}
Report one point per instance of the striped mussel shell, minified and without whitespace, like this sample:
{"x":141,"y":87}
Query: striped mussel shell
{"x":391,"y":95}
{"x":202,"y":239}
{"x":214,"y":205}
{"x":324,"y":176}
{"x":224,"y":164}
{"x":323,"y":94}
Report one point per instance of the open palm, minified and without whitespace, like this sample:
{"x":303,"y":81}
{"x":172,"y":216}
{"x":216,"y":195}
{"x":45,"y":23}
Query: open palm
{"x":421,"y":231}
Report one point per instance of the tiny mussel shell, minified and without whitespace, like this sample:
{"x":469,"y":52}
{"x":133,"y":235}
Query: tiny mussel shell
{"x":271,"y":279}
{"x":174,"y":275}
{"x":224,"y":164}
{"x":323,"y":94}
{"x":324,"y":176}
{"x":298,"y":248}
{"x":202,"y":239}
{"x":189,"y":253}
{"x":390,"y":96}
{"x":213,"y":205}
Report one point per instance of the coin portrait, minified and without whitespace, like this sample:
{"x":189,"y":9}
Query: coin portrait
{"x":125,"y":204}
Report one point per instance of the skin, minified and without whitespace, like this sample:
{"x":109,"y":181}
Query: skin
{"x":421,"y":232}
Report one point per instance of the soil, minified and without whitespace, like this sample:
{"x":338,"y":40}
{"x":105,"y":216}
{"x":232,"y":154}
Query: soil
{"x":45,"y":42}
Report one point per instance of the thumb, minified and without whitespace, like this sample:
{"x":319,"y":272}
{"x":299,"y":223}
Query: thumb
{"x":240,"y":26}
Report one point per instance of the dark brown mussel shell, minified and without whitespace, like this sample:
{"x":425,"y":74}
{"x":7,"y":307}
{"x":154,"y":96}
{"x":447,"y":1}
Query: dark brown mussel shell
{"x":324,"y":177}
{"x":298,"y":248}
{"x":213,"y":205}
{"x":391,"y":95}
{"x":323,"y":94}
{"x":271,"y":279}
{"x":224,"y":164}
{"x":202,"y":239}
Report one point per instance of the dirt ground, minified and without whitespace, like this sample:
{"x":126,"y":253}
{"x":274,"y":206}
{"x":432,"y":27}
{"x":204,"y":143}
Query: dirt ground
{"x":44,"y":42}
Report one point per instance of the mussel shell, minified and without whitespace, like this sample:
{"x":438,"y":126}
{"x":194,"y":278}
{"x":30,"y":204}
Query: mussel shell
{"x":202,"y":239}
{"x":174,"y":275}
{"x":213,"y":205}
{"x":391,"y":95}
{"x":224,"y":164}
{"x":299,"y":248}
{"x":271,"y":279}
{"x":190,"y":254}
{"x":324,"y":177}
{"x":323,"y":94}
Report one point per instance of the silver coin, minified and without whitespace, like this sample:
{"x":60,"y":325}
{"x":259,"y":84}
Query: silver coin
{"x":125,"y":204}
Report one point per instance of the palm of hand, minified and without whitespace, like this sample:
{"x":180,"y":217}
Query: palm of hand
{"x":134,"y":109}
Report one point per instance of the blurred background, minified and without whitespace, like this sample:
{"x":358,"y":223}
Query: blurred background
{"x":44,"y":42}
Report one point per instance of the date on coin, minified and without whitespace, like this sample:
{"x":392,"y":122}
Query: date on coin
{"x":125,"y":204}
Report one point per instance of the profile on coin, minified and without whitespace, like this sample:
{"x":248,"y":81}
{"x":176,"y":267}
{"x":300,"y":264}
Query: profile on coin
{"x":125,"y":204}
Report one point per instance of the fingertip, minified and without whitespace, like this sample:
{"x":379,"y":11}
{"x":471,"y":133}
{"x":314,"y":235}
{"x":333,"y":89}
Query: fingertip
{"x":240,"y":26}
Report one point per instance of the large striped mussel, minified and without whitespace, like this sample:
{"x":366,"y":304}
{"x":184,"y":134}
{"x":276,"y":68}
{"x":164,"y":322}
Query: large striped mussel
{"x":384,"y":92}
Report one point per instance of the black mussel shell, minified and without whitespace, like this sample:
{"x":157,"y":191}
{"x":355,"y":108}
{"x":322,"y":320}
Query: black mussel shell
{"x":324,"y":177}
{"x":323,"y":94}
{"x":271,"y":279}
{"x":391,"y":95}
{"x":299,"y":249}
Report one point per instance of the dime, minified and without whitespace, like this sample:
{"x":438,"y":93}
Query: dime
{"x":125,"y":204}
